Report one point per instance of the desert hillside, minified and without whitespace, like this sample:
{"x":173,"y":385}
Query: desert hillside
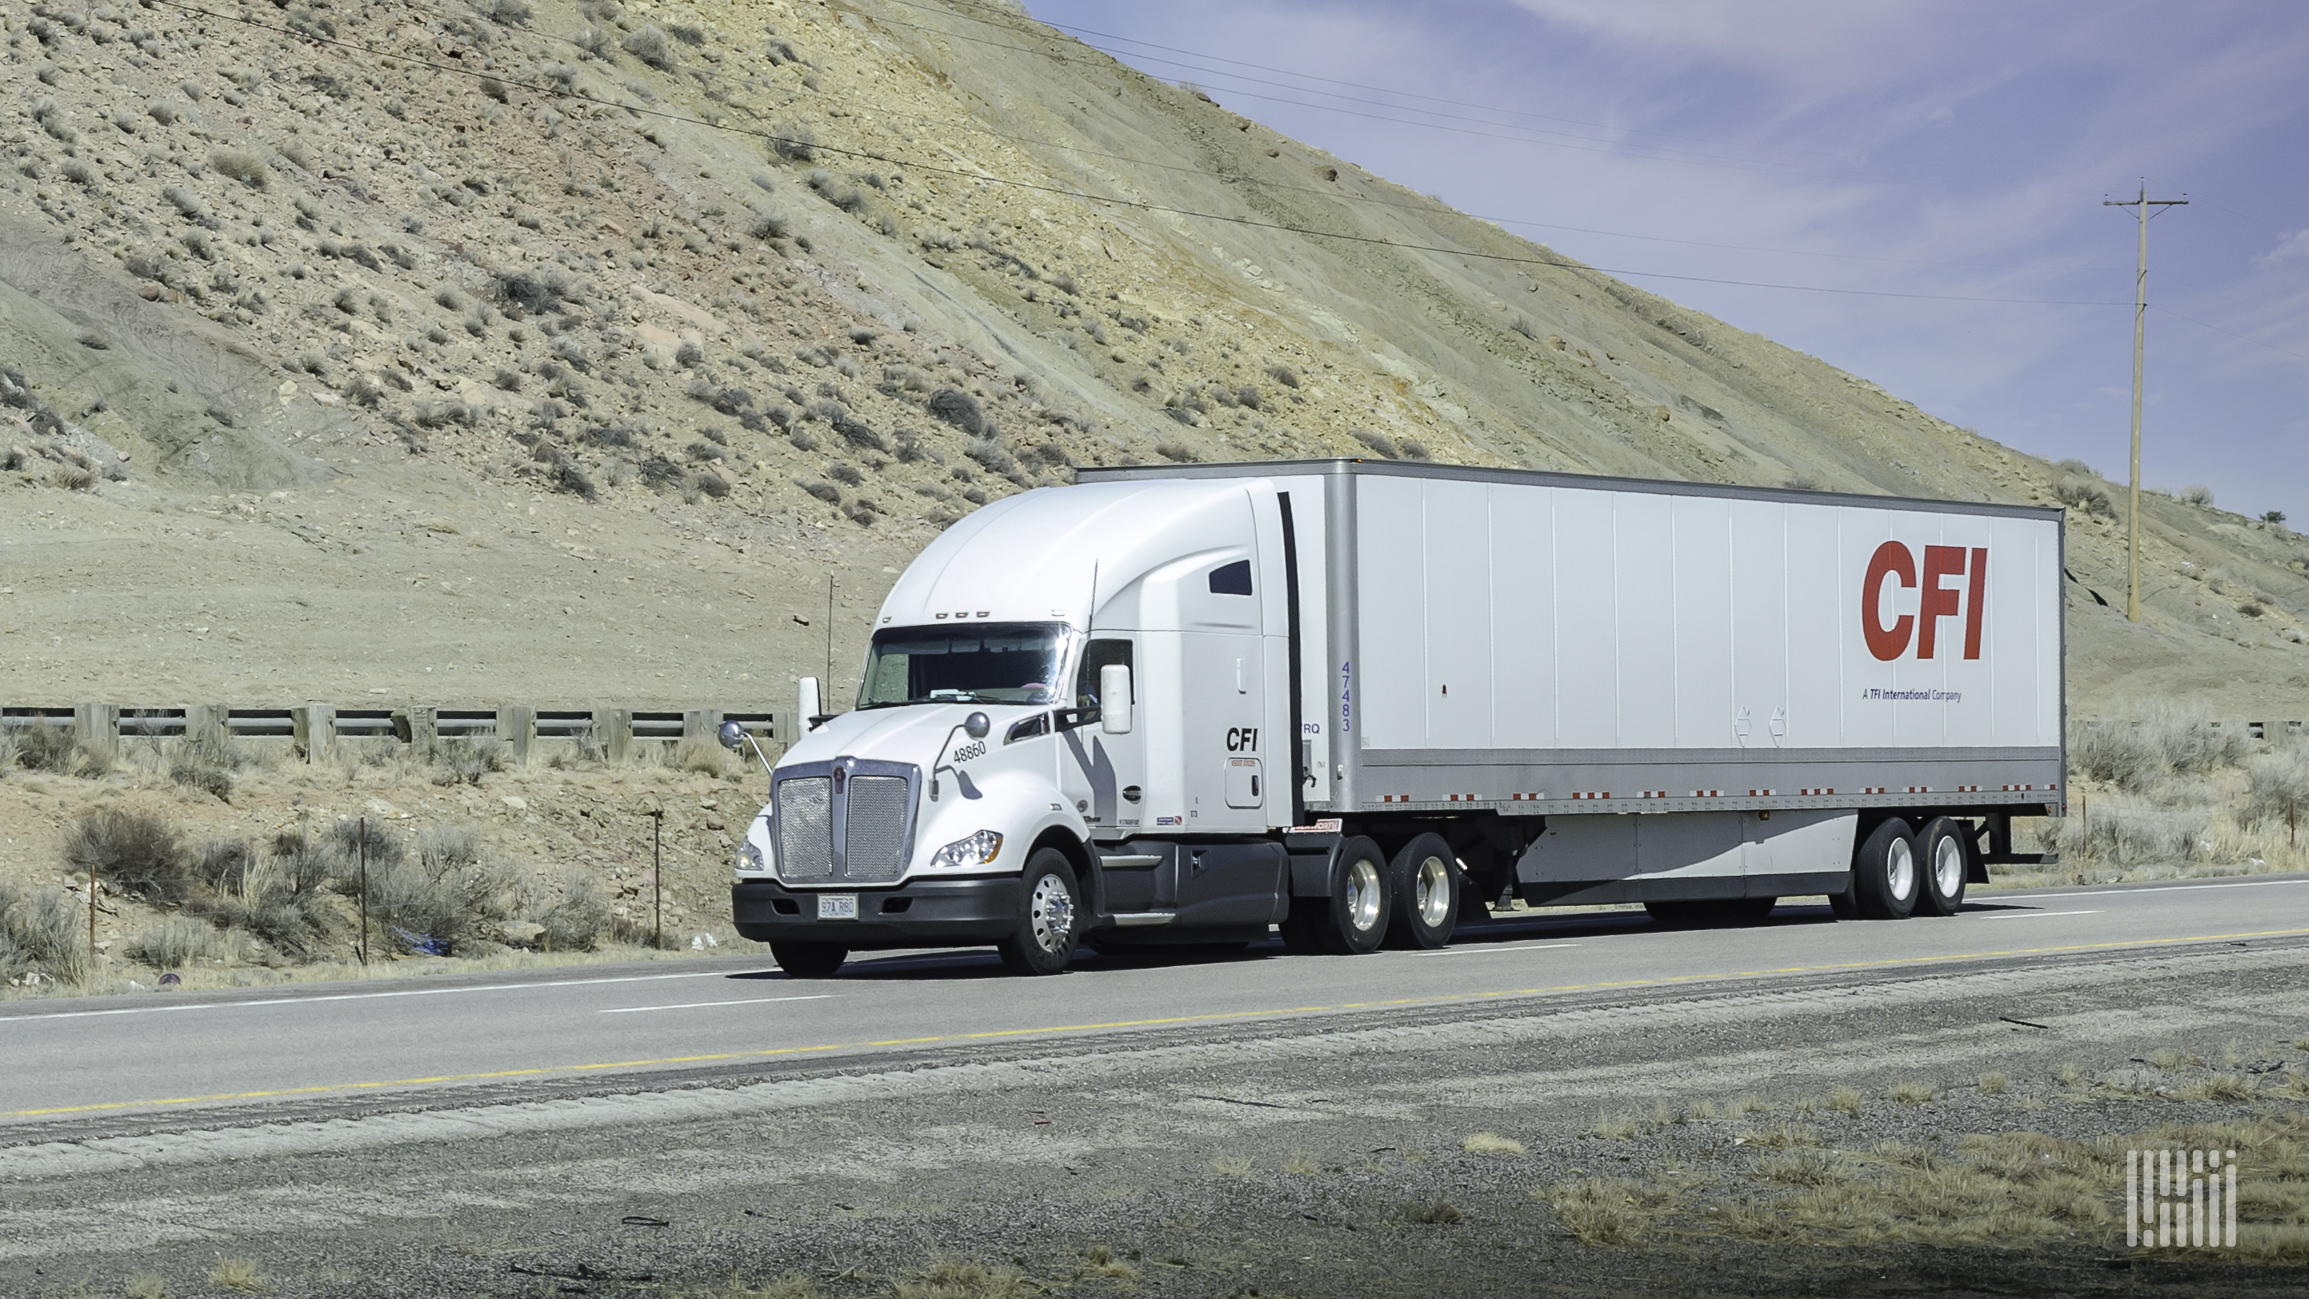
{"x":463,"y":353}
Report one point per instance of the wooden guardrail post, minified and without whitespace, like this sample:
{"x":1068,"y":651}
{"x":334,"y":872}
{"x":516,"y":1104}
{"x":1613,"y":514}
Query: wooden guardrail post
{"x":613,"y":730}
{"x":205,"y":725}
{"x":517,"y":729}
{"x":417,"y":726}
{"x":97,"y":728}
{"x":313,"y":729}
{"x":699,"y":725}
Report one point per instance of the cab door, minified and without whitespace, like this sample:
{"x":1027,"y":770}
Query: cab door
{"x":1104,"y":775}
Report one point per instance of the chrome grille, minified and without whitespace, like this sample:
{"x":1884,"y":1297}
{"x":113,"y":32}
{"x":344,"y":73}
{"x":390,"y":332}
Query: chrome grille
{"x":806,"y":828}
{"x":874,"y":838}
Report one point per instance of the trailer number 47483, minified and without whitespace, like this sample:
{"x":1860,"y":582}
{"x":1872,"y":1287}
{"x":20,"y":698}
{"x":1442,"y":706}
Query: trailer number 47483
{"x":1242,"y":739}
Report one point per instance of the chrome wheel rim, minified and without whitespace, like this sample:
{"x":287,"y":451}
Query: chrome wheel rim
{"x":1051,"y":911}
{"x":1900,"y":869}
{"x":1364,"y":891}
{"x":1433,"y":892}
{"x":1948,"y":865}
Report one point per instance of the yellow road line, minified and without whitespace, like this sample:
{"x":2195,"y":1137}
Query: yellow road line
{"x":1238,"y":1015}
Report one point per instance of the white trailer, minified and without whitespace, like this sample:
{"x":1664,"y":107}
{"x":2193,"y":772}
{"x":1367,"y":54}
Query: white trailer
{"x":1361,"y":700}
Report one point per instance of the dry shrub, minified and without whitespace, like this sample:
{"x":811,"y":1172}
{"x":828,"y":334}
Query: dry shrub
{"x":702,"y":756}
{"x":1491,"y":1143}
{"x":2139,"y":752}
{"x":2277,"y":785}
{"x":465,"y":762}
{"x":1798,"y":1167}
{"x":178,"y":941}
{"x":2127,"y":834}
{"x":132,"y":851}
{"x":41,"y":933}
{"x":52,"y":749}
{"x":206,"y":765}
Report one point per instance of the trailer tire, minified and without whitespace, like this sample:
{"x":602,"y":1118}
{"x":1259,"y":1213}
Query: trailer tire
{"x":809,"y":960}
{"x":1424,"y":884}
{"x":1885,"y":878}
{"x":1942,"y":857}
{"x":1049,"y":917}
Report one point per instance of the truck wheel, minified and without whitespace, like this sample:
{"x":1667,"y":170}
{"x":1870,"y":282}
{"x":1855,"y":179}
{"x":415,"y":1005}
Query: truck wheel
{"x":1049,"y":917}
{"x":1355,"y":918}
{"x":1424,"y":884}
{"x":809,"y":960}
{"x":1885,"y":878}
{"x":1940,"y":853}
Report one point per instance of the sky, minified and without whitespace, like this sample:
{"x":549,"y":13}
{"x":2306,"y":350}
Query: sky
{"x":1920,"y":185}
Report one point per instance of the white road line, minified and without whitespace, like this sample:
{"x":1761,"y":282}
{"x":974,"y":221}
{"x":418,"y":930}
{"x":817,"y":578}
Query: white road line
{"x":363,"y":996}
{"x":2144,"y":892}
{"x":2038,"y":915}
{"x":1486,"y":951}
{"x":693,"y":1005}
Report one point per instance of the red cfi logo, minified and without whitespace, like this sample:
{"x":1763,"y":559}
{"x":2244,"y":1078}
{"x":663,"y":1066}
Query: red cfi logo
{"x":1937,"y":602}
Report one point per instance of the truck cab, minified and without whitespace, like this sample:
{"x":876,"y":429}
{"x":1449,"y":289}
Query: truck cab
{"x":1073,"y":720}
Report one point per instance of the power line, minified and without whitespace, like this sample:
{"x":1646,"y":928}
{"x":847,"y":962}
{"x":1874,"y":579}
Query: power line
{"x":1134,"y":204}
{"x":2298,"y":356}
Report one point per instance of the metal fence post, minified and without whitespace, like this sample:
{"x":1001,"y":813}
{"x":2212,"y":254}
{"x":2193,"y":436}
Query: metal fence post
{"x":656,"y":887}
{"x":364,"y":890}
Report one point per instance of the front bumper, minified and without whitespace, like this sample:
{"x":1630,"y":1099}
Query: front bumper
{"x":918,"y":913}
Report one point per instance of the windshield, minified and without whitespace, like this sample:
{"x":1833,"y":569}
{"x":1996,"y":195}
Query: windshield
{"x":988,"y":663}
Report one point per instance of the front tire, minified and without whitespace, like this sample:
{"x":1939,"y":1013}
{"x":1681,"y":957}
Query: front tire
{"x":809,"y":960}
{"x":1885,"y":877}
{"x":1942,"y":857}
{"x":1424,"y":884}
{"x":1049,"y":917}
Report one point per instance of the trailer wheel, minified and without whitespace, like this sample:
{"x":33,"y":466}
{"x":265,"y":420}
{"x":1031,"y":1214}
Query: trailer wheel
{"x":1049,"y":917}
{"x":809,"y":960}
{"x":1424,"y":884}
{"x":1885,"y":878}
{"x":1941,"y":855}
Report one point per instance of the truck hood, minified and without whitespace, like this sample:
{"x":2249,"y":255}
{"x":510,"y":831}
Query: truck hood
{"x":909,"y":734}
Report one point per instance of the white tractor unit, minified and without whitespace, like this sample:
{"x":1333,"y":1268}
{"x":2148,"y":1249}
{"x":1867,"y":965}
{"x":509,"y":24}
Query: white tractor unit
{"x":1180,"y":705}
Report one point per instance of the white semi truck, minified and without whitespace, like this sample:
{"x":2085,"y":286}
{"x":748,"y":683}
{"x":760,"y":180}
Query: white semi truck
{"x":1360,"y":701}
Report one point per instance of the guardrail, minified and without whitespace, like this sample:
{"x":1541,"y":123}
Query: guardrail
{"x":314,"y":729}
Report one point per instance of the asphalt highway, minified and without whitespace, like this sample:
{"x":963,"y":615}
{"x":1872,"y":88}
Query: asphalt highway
{"x":105,"y":1058}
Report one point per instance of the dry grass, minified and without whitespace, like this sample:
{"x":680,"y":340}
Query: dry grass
{"x":1491,"y":1143}
{"x":2069,"y":1074}
{"x":1799,"y":1167}
{"x":1232,"y":1165}
{"x":1432,"y":1213}
{"x":1616,"y":1127}
{"x":1845,"y":1100}
{"x":949,"y":1279}
{"x":146,"y":1285}
{"x":1750,"y":1103}
{"x":1781,"y":1136}
{"x":1993,"y":1083}
{"x":1912,"y":1093}
{"x":1098,"y":1260}
{"x":1302,"y":1163}
{"x":1610,"y":1210}
{"x":238,"y":1275}
{"x":793,"y":1285}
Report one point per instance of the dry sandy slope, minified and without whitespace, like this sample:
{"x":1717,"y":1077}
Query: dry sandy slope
{"x":344,"y":393}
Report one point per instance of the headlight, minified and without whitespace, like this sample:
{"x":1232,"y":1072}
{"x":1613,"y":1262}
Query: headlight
{"x":977,"y":850}
{"x":750,"y":858}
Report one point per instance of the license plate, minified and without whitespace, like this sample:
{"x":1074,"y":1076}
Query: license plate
{"x":837,"y":906}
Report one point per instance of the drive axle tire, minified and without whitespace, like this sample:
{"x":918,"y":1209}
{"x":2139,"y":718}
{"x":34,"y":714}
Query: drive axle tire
{"x":1049,"y":917}
{"x":809,"y":960}
{"x":1353,"y":920}
{"x":1423,"y":884}
{"x":1941,"y":856}
{"x":1885,"y":876}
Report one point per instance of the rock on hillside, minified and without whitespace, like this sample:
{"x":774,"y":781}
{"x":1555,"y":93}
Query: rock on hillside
{"x":352,"y":347}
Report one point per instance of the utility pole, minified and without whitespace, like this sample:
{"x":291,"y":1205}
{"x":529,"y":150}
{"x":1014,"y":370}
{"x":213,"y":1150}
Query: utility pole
{"x":2140,"y":337}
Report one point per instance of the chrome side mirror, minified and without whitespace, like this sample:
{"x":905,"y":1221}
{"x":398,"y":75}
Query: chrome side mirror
{"x":976,"y":725}
{"x":733,"y":736}
{"x":1114,"y":699}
